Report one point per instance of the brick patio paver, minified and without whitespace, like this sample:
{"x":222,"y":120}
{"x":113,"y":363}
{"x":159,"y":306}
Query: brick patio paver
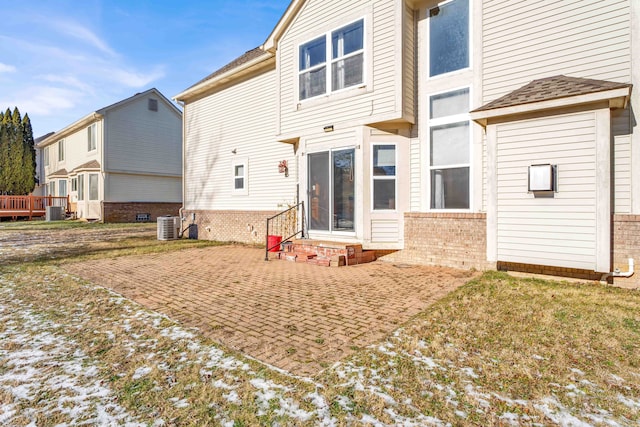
{"x":295,"y":316}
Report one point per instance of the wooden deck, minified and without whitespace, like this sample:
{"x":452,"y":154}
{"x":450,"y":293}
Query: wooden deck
{"x":29,"y":206}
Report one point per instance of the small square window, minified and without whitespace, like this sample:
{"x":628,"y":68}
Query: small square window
{"x":153,"y":104}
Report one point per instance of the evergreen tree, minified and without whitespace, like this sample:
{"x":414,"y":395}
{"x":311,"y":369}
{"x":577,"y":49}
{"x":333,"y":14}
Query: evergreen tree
{"x":17,"y":154}
{"x":29,"y":166}
{"x":5,"y":128}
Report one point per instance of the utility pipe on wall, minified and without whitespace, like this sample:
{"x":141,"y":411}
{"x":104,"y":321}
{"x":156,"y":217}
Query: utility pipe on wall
{"x":618,"y":273}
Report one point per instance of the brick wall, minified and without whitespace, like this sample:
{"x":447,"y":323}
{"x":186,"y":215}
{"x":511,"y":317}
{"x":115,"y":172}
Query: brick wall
{"x":127,"y":211}
{"x":447,"y":239}
{"x":626,"y":244}
{"x":231,"y":226}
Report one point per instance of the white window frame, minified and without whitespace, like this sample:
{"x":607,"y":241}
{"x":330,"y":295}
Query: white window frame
{"x":92,"y":137}
{"x":82,"y":194}
{"x":60,"y":185}
{"x":469,"y":42}
{"x":384,"y":177}
{"x":45,"y":154}
{"x":440,"y":121}
{"x":97,"y":187}
{"x":61,"y":149}
{"x":329,"y":61}
{"x":74,"y":184}
{"x":244,"y":191}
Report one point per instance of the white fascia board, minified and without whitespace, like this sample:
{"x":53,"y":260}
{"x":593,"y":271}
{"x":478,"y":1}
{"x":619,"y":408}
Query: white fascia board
{"x":73,"y":127}
{"x":617,"y":98}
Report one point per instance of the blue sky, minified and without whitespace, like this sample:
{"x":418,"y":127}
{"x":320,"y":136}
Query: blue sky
{"x":62,"y":59}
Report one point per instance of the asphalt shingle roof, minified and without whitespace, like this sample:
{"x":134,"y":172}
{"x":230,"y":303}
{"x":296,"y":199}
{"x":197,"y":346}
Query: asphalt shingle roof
{"x":551,"y":88}
{"x":242,"y":59}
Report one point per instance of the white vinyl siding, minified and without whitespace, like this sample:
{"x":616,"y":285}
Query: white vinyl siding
{"x":524,"y":41}
{"x":559,"y":230}
{"x":141,"y":188}
{"x":384,"y":230}
{"x":239,"y":119}
{"x":383,"y":76}
{"x":143,"y":141}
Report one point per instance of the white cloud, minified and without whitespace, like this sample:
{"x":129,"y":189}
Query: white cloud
{"x":43,"y":100}
{"x":68,"y":80}
{"x":4,"y":68}
{"x":84,"y":34}
{"x":135,"y":79}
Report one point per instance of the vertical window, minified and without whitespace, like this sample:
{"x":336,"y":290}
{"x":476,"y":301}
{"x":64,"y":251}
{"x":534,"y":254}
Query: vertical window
{"x":240,"y":176}
{"x":74,"y":184}
{"x":91,"y":137}
{"x":313,"y":76}
{"x":51,"y":189}
{"x":450,"y":150}
{"x":93,"y":186}
{"x":62,"y":188}
{"x":384,"y":177}
{"x":331,"y":184}
{"x":345,"y":47}
{"x":152,"y":104}
{"x":449,"y":37}
{"x":61,"y":150}
{"x":81,"y":187}
{"x":46,"y":156}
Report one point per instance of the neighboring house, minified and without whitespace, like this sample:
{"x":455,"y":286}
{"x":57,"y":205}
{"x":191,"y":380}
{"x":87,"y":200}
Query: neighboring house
{"x":40,"y":188}
{"x":121,"y":163}
{"x":473,"y":134}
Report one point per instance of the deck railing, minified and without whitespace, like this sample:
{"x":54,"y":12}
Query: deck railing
{"x":284,"y":226}
{"x":30,"y":206}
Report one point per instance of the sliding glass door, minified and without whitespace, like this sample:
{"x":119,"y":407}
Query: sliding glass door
{"x":331,"y":185}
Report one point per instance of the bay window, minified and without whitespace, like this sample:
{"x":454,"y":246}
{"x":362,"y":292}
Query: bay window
{"x":345,"y":48}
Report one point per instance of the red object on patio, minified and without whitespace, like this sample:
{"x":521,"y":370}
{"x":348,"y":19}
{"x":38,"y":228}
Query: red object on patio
{"x":273,"y":242}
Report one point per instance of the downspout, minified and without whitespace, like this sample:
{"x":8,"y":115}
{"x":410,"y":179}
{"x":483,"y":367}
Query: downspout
{"x":183,"y":143}
{"x":618,"y":273}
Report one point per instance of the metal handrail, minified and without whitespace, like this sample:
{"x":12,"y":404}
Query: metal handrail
{"x":286,"y":224}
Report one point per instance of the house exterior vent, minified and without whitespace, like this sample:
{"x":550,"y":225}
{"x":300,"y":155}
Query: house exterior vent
{"x":153,"y":104}
{"x":168,"y":227}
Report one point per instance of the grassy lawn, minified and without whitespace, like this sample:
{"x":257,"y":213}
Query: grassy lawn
{"x":498,"y":351}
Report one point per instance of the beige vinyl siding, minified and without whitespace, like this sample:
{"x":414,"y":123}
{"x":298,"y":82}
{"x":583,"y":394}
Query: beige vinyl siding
{"x":76,"y":152}
{"x":240,"y":118}
{"x":527,"y":40}
{"x":142,"y":188}
{"x":415,"y":177}
{"x":558,"y":231}
{"x":381,"y":68}
{"x":140,"y":140}
{"x":620,"y":127}
{"x":409,"y":61}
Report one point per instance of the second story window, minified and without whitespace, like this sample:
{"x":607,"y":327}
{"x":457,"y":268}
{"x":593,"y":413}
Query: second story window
{"x":345,"y":48}
{"x":46,"y":156}
{"x":449,"y":37}
{"x":61,"y":150}
{"x":91,"y":138}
